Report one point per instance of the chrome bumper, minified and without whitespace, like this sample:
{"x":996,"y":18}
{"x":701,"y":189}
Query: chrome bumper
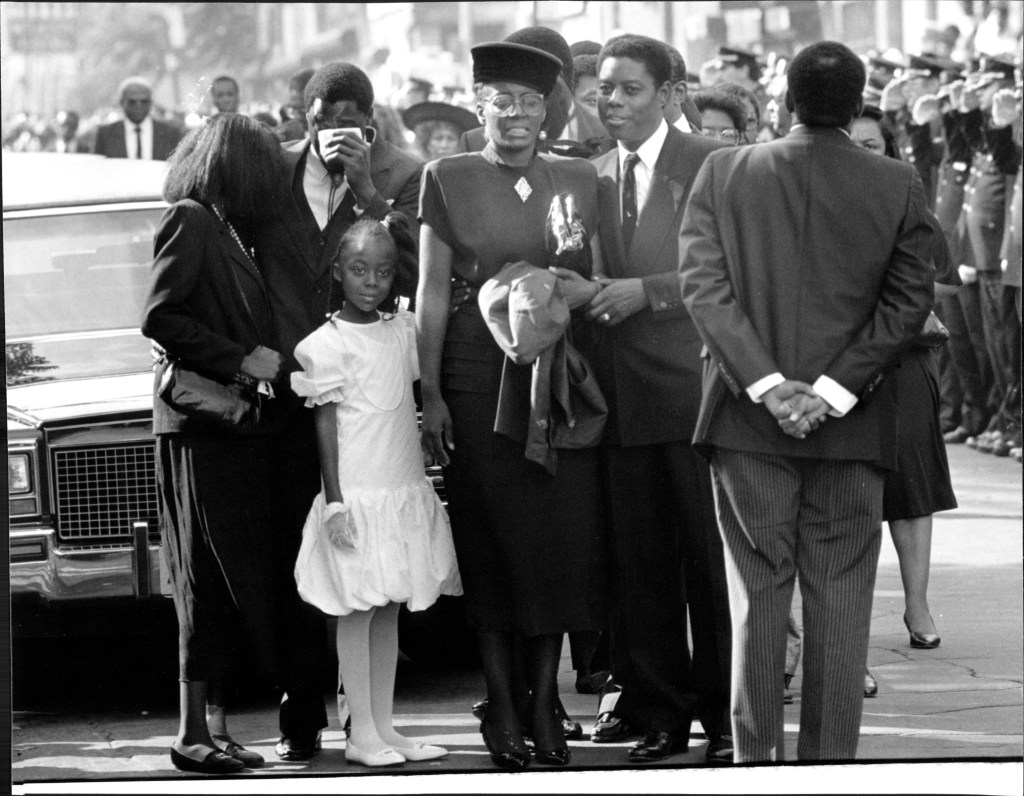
{"x":40,"y":567}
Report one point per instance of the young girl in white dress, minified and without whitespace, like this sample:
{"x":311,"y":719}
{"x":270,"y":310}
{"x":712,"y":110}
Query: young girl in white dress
{"x":376,"y":535}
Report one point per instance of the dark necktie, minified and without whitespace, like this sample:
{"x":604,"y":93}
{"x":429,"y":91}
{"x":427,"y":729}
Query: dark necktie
{"x":629,"y":211}
{"x":138,"y":142}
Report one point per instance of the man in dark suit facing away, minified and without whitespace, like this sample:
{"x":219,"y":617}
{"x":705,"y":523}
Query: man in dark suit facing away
{"x":666,"y":554}
{"x":326,"y":184}
{"x":138,"y":135}
{"x":804,"y":265}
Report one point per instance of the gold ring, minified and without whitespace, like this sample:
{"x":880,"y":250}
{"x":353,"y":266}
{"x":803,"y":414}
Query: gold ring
{"x":606,"y":317}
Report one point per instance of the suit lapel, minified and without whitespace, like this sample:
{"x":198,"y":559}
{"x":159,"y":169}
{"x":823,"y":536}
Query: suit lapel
{"x":611,"y":215}
{"x":293,"y":216}
{"x":662,"y":212}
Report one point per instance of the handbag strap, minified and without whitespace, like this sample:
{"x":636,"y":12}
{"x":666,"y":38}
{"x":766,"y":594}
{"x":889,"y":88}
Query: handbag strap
{"x":234,"y":274}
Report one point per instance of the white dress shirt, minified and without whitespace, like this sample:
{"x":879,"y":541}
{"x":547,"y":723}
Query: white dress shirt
{"x":317,"y":182}
{"x":131,"y":142}
{"x":682,"y":124}
{"x":643,"y":171}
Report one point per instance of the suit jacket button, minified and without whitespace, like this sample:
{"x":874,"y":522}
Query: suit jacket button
{"x":656,"y":339}
{"x":664,"y":304}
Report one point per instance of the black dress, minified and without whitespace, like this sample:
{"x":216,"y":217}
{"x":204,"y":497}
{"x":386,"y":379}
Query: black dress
{"x":215,"y":495}
{"x":921,"y":485}
{"x":530,"y":545}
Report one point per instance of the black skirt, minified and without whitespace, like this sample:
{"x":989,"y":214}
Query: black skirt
{"x":530,"y":546}
{"x":221,"y":549}
{"x":921,"y":486}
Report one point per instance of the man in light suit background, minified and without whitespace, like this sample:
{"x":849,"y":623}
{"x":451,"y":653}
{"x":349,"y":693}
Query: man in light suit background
{"x":323,"y":189}
{"x":803,"y":261}
{"x":666,"y":553}
{"x":138,"y":135}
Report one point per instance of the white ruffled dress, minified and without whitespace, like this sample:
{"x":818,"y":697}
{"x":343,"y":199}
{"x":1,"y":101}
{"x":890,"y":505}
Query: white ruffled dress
{"x":404,"y":551}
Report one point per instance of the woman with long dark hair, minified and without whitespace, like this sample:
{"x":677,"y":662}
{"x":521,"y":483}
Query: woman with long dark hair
{"x":209,"y":311}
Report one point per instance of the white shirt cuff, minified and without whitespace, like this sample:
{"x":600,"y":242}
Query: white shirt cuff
{"x":839,"y":398}
{"x":761,"y":386}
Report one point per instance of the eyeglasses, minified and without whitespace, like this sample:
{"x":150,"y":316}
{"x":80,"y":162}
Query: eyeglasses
{"x":505,"y":104}
{"x":728,"y":136}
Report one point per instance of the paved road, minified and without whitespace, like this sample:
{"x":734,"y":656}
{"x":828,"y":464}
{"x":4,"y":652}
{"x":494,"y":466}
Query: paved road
{"x":961,"y":702}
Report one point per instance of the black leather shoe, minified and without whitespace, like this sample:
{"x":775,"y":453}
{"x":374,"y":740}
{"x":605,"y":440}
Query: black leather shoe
{"x":657,"y":745}
{"x":292,"y":749}
{"x":592,"y":683}
{"x":507,"y":749}
{"x":870,"y":685}
{"x":217,"y":762}
{"x":479,"y":709}
{"x":719,"y":751}
{"x":572,"y":730}
{"x":610,"y":729}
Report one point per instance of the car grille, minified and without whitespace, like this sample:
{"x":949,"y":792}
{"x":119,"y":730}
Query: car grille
{"x":102,"y":491}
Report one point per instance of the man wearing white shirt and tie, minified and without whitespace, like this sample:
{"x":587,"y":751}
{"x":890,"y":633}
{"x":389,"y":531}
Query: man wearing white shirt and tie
{"x":138,"y":136}
{"x":665,"y":549}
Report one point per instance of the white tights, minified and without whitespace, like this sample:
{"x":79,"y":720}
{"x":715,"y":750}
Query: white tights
{"x":368,"y":657}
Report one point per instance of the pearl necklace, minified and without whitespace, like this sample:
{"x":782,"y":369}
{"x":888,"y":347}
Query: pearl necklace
{"x":250,"y":254}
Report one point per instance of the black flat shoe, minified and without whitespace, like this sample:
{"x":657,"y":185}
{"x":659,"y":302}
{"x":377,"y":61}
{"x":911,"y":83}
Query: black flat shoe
{"x":658,"y":745}
{"x":239,"y":752}
{"x":921,"y":641}
{"x":553,"y":757}
{"x":610,"y":729}
{"x":507,"y":749}
{"x":214,"y":763}
{"x":719,"y":751}
{"x":292,"y":749}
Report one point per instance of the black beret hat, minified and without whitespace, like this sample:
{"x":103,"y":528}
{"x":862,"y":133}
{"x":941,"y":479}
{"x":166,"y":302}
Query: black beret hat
{"x":506,"y":62}
{"x":550,"y":41}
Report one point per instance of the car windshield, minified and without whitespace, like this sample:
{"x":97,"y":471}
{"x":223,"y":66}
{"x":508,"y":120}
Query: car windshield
{"x":74,"y":285}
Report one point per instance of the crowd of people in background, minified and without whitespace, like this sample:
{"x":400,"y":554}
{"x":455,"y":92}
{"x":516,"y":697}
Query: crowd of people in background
{"x":665,"y":648}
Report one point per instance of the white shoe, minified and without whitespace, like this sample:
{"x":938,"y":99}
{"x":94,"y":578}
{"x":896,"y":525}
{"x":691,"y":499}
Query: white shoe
{"x":420,"y":751}
{"x":385,"y":757}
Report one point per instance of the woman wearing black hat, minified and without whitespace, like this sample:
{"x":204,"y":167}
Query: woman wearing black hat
{"x":529,"y":542}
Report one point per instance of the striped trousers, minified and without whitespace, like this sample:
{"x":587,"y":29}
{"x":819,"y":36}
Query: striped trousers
{"x":821,"y":518}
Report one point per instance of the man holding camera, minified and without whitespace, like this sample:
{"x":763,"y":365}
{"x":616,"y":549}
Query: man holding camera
{"x":331,"y":177}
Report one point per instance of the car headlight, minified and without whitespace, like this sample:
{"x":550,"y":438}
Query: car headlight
{"x":19,"y":473}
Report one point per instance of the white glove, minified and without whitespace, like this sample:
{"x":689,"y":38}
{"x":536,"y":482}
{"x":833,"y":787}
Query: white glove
{"x":337,"y":527}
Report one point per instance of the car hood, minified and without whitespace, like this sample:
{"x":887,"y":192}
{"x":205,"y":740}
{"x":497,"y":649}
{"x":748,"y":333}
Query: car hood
{"x":54,"y":401}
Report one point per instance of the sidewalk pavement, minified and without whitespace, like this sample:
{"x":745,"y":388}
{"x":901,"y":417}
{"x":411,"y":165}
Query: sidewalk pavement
{"x":958,"y":703}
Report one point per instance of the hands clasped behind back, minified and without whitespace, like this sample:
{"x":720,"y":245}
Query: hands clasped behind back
{"x":797,"y":407}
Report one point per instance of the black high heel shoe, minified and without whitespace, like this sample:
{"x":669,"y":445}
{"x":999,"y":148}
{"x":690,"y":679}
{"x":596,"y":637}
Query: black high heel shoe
{"x":552,"y":756}
{"x":922,"y":641}
{"x":507,"y":748}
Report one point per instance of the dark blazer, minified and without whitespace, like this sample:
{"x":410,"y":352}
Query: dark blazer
{"x":649,"y":365}
{"x":110,"y":140}
{"x":805,"y":256}
{"x":194,"y":309}
{"x":295,"y":255}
